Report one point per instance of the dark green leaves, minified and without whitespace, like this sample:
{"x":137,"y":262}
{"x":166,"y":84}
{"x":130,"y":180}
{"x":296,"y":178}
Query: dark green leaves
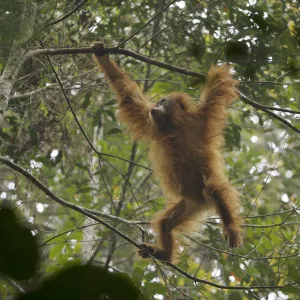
{"x":18,"y":250}
{"x":232,"y":136}
{"x":236,"y":51}
{"x":85,"y":282}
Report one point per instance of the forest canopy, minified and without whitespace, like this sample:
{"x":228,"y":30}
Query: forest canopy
{"x":83,"y":188}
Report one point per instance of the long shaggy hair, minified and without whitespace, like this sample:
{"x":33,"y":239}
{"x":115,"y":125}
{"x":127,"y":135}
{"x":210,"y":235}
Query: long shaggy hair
{"x":185,"y":141}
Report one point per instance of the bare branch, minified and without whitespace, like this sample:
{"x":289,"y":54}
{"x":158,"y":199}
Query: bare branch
{"x":115,"y":50}
{"x":246,"y":256}
{"x":266,"y":110}
{"x":147,"y":23}
{"x":59,"y":200}
{"x":90,"y":50}
{"x":68,"y":14}
{"x":226,"y":287}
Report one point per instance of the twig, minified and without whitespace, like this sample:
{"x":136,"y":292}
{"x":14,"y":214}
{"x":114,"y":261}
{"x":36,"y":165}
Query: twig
{"x":246,"y":256}
{"x":266,"y":110}
{"x":65,"y":232}
{"x":141,"y":28}
{"x":68,"y":14}
{"x":270,"y":82}
{"x":15,"y":284}
{"x":253,"y":295}
{"x":59,"y":200}
{"x":80,"y":127}
{"x":226,"y":287}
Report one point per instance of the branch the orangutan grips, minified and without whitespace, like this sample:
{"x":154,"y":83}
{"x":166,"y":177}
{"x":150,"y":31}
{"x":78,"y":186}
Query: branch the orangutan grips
{"x":147,"y":251}
{"x":99,"y":49}
{"x":185,"y":140}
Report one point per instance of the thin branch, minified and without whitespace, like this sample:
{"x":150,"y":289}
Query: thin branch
{"x":59,"y":200}
{"x":296,"y":112}
{"x":25,"y":95}
{"x":115,"y":218}
{"x":270,"y":82}
{"x":83,"y":132}
{"x":227,"y":287}
{"x":246,"y":256}
{"x":261,"y":216}
{"x":266,"y":110}
{"x":260,"y":226}
{"x":65,"y":232}
{"x":68,"y":14}
{"x":15,"y":284}
{"x":69,"y":104}
{"x":253,"y":295}
{"x":128,"y":176}
{"x":100,"y":154}
{"x":53,"y":85}
{"x":271,"y":225}
{"x":141,"y":28}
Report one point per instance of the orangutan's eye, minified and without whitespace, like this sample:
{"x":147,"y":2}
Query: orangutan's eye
{"x":162,"y":102}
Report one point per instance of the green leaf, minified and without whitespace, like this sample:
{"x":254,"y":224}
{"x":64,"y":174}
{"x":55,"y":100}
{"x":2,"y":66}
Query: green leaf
{"x":110,"y":102}
{"x":253,"y":271}
{"x":266,"y":243}
{"x":235,"y":296}
{"x":293,"y":273}
{"x":232,"y":136}
{"x":33,"y":135}
{"x":85,"y":282}
{"x":114,"y":131}
{"x":86,"y":101}
{"x":84,"y":189}
{"x":111,"y":114}
{"x":236,"y":51}
{"x":157,"y":287}
{"x":275,"y":240}
{"x":294,"y":289}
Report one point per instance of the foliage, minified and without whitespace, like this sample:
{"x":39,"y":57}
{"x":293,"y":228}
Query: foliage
{"x":19,"y":247}
{"x":19,"y":257}
{"x":260,"y":38}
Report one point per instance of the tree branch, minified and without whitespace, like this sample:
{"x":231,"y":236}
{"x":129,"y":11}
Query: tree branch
{"x":266,"y":110}
{"x":115,"y":50}
{"x":68,"y":14}
{"x":147,"y":23}
{"x":87,"y":213}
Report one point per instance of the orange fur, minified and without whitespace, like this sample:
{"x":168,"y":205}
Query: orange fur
{"x":185,"y":152}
